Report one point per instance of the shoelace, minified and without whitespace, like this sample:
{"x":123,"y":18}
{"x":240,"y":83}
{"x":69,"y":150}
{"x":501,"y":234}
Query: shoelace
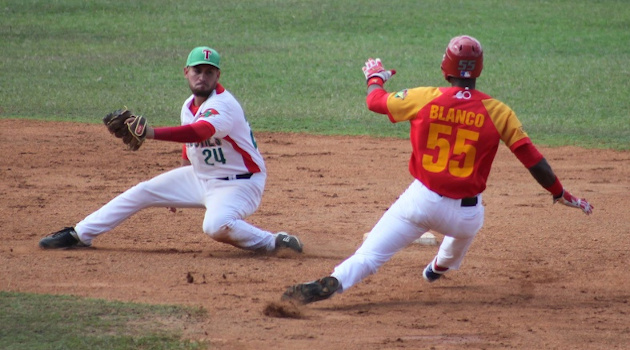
{"x":59,"y":233}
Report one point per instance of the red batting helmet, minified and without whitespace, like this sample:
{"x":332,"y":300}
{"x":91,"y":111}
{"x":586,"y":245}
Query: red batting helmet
{"x":463,"y":58}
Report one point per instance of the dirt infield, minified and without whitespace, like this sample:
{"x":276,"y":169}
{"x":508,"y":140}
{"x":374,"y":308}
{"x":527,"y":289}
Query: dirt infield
{"x":538,"y":276}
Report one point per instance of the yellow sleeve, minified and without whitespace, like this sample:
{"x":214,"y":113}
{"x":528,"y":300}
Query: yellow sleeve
{"x":504,"y":119}
{"x":405,"y":104}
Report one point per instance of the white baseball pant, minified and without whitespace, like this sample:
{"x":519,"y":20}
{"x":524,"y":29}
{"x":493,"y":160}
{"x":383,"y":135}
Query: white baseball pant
{"x":227,"y":203}
{"x":416,"y":211}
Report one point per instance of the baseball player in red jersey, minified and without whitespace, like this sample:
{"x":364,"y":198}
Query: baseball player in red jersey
{"x":455,"y":133}
{"x":222,"y":171}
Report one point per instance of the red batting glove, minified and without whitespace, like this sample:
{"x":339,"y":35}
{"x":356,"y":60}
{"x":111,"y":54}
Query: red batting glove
{"x":374,"y":69}
{"x":571,"y":201}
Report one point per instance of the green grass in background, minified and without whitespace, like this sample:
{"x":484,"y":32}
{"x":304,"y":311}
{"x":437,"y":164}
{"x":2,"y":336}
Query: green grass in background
{"x":296,"y":65}
{"x":32,"y":322}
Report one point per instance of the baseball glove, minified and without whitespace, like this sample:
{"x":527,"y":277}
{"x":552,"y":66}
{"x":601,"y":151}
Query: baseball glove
{"x":128,"y":127}
{"x":115,"y":122}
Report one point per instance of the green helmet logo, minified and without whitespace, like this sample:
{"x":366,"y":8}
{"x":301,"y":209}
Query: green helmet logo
{"x":203,"y":55}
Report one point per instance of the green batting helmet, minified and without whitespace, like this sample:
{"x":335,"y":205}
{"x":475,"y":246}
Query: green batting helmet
{"x":203,"y":55}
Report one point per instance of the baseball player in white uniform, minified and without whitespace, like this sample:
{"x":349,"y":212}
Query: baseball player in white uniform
{"x":222,"y":171}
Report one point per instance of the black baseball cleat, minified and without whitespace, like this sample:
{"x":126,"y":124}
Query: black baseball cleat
{"x":285,"y":240}
{"x":63,"y":239}
{"x":311,"y":292}
{"x":429,"y":274}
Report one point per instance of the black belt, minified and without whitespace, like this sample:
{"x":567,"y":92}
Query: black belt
{"x":237,"y":177}
{"x":470,"y":201}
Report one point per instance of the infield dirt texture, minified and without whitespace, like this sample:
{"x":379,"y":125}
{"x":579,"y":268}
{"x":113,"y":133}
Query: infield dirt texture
{"x":538,"y":276}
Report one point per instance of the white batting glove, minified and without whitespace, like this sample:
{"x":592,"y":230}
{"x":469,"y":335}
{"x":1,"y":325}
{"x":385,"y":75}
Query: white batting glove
{"x":571,"y":201}
{"x":374,"y":68}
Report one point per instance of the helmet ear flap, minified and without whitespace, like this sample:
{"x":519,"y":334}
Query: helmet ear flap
{"x":463,"y":58}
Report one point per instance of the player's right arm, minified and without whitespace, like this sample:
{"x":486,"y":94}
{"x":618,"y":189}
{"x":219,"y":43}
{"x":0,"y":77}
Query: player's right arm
{"x":540,"y":169}
{"x":512,"y":134}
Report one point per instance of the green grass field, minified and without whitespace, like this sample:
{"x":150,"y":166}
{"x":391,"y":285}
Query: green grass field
{"x":296,"y":67}
{"x":33,"y":322}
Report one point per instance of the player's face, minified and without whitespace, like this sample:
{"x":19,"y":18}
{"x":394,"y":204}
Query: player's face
{"x":202,"y":79}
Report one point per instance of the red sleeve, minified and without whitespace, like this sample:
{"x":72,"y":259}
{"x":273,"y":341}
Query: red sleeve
{"x":556,"y":188}
{"x":377,"y":101}
{"x":195,"y":132}
{"x":528,"y":154}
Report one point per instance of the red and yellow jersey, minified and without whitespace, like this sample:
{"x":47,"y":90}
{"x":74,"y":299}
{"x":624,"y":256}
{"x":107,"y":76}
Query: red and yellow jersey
{"x":455,"y":133}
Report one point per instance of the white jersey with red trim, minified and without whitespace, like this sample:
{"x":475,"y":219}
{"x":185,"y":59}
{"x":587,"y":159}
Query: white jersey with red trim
{"x":232,"y":150}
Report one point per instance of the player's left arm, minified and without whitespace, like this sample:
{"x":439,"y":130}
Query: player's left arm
{"x":195,"y":132}
{"x":376,"y":100}
{"x":216,"y":121}
{"x":375,"y":78}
